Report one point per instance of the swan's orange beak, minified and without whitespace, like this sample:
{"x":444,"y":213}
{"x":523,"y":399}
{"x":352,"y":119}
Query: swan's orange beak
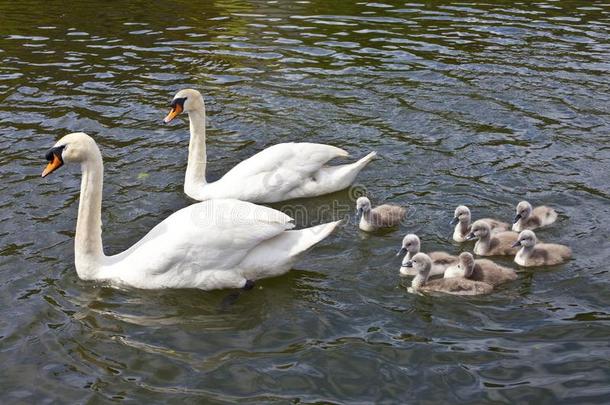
{"x":175,"y":111}
{"x":55,"y":161}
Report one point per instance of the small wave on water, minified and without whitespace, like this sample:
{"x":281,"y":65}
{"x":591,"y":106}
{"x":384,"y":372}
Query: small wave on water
{"x":482,"y":104}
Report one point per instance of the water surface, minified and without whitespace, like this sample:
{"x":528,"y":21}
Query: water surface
{"x":481,"y":104}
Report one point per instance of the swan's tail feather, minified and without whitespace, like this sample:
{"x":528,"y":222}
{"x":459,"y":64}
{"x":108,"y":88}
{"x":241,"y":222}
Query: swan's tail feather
{"x":334,"y":178}
{"x":276,"y":255}
{"x":366,"y":160}
{"x":349,"y":172}
{"x":303,"y":239}
{"x":341,"y":152}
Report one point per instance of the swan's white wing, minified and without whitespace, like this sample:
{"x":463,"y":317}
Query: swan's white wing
{"x":211,"y":235}
{"x":302,"y":157}
{"x":272,"y":173}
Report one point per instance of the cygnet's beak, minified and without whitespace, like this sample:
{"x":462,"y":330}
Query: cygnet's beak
{"x":517,"y":243}
{"x":402,"y":251}
{"x":454,"y":221}
{"x":359,"y":211}
{"x":471,"y":236}
{"x":408,"y":264}
{"x":517,"y":217}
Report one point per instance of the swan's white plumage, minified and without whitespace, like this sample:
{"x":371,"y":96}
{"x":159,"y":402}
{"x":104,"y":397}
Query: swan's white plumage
{"x":196,"y":246}
{"x":286,"y":247}
{"x":209,"y":245}
{"x":281,"y":172}
{"x":287,"y":157}
{"x":278,"y":173}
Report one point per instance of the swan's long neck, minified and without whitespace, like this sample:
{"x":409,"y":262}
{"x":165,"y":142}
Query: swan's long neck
{"x":418,"y":281}
{"x":194,"y":179}
{"x":366,"y":219}
{"x":526,"y":250}
{"x":518,"y":225}
{"x":367,"y":214}
{"x":466,"y":270}
{"x":464,"y":227}
{"x":483,"y":242}
{"x":88,"y":249}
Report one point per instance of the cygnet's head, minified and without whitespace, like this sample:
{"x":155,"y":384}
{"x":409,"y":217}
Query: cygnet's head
{"x":526,"y":239}
{"x":461,"y":214}
{"x":524,"y":209}
{"x":410,"y":243}
{"x":363,"y":205}
{"x":186,"y":100}
{"x":72,"y":148}
{"x":479,"y":229}
{"x":466,"y":263}
{"x":421,"y":263}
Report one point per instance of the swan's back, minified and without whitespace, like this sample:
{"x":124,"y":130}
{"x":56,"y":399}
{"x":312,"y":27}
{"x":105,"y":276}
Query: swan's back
{"x":491,"y":273}
{"x":442,"y":258}
{"x":457,"y":286}
{"x":546,"y":215}
{"x":276,"y":172}
{"x":440,"y":262}
{"x":500,"y":243}
{"x":549,"y":254}
{"x":387,"y":215}
{"x":211,"y":235}
{"x":495,"y":225}
{"x":300,"y":157}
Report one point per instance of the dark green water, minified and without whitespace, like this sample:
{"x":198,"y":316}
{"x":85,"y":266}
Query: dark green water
{"x":480,"y":103}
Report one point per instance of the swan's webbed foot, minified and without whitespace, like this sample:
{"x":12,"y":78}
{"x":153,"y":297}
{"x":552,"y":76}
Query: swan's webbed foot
{"x":232,"y":297}
{"x":229,"y":300}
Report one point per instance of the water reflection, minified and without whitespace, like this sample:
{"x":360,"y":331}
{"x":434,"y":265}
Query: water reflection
{"x":482,"y":104}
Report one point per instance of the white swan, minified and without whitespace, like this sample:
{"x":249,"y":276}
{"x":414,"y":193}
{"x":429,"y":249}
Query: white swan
{"x":209,"y":245}
{"x":278,"y":173}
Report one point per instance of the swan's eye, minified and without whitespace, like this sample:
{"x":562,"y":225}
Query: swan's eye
{"x":178,"y":102}
{"x":177,"y":105}
{"x":56,"y":151}
{"x":53,"y":156}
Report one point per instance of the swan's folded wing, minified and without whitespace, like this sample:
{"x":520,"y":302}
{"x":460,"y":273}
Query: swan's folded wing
{"x":211,"y":235}
{"x":304,"y":158}
{"x":273,"y":173}
{"x":442,"y":258}
{"x":457,"y":286}
{"x":495,"y":225}
{"x":388,"y":215}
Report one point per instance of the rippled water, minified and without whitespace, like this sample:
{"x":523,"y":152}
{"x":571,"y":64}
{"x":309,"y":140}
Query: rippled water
{"x":483,"y":104}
